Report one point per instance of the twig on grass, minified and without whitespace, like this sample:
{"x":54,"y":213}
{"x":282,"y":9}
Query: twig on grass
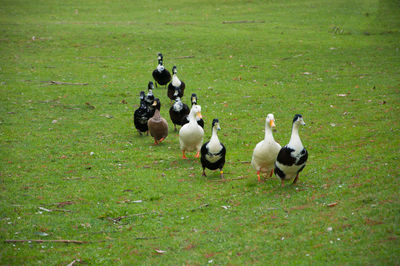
{"x":242,"y":162}
{"x":118,"y":219}
{"x":230,"y":179}
{"x":243,"y":21}
{"x":53,"y":210}
{"x":73,"y":262}
{"x":199,"y":208}
{"x":146,"y":238}
{"x":52,"y":82}
{"x":46,"y":240}
{"x":184,"y":57}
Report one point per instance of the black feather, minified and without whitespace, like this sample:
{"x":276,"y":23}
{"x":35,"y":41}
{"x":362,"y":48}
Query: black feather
{"x":303,"y":157}
{"x":142,"y":115}
{"x":179,"y":117}
{"x":285,"y":156}
{"x":174,"y":92}
{"x":209,"y":165}
{"x":163,"y":77}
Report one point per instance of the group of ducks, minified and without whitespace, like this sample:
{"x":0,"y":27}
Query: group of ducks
{"x":268,"y":156}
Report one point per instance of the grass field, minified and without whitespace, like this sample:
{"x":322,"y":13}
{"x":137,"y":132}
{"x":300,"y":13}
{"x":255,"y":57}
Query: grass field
{"x":73,"y":166}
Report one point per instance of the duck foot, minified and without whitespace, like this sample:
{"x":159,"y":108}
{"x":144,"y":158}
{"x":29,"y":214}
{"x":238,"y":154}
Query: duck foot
{"x":272,"y":171}
{"x":282,"y":183}
{"x":197,"y":155}
{"x":183,"y":155}
{"x":258,"y":176}
{"x":222,"y":174}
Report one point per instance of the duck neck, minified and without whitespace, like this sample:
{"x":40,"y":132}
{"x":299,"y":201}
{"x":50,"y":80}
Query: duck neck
{"x":295,"y":138}
{"x":268,"y":133}
{"x":157,"y":115}
{"x":214,"y":136}
{"x":192,"y":118}
{"x":175,"y":80}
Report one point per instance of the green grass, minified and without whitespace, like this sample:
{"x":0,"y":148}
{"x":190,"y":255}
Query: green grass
{"x":299,"y":57}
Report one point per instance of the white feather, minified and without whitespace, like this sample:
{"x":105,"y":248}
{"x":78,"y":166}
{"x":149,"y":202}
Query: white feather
{"x":160,"y":68}
{"x":213,"y":147}
{"x":175,"y":81}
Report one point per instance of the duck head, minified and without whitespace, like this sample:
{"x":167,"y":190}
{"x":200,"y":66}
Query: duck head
{"x":270,"y":120}
{"x":157,"y":104}
{"x":215,"y":124}
{"x":194,"y":98}
{"x":150,"y":86}
{"x":174,"y":70}
{"x":159,"y":57}
{"x":142,"y":96}
{"x":298,"y":120}
{"x":196,"y":111}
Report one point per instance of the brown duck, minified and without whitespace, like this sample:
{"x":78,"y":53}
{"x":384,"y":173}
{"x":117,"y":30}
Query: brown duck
{"x":158,"y":126}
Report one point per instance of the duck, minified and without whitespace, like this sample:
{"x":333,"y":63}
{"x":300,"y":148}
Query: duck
{"x":266,"y":151}
{"x":213,"y":151}
{"x":141,"y":115}
{"x":176,"y":87}
{"x":158,"y":126}
{"x":200,"y":121}
{"x":161,"y":75}
{"x":191,"y":134}
{"x":178,"y":112}
{"x":292,"y":158}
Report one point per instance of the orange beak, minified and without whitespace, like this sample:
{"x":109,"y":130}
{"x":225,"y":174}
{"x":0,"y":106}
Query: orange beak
{"x":272,"y":123}
{"x":199,"y":115}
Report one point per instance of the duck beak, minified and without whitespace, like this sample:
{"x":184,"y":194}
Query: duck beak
{"x":199,"y":115}
{"x":218,"y":127}
{"x":154,"y":103}
{"x":272,"y":123}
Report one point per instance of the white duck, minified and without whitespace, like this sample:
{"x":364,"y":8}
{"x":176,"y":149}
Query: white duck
{"x":292,"y":158}
{"x":266,"y":151}
{"x":191,"y":134}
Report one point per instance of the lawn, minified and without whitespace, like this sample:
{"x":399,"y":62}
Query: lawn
{"x":73,"y":167}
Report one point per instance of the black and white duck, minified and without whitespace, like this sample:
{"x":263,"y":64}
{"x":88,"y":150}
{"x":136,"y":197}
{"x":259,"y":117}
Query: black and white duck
{"x":199,"y":120}
{"x":191,"y":134}
{"x":213,"y":152}
{"x":178,"y":112}
{"x":142,"y":115}
{"x":158,"y":126}
{"x":176,"y":87}
{"x":292,"y":158}
{"x":266,"y":151}
{"x":161,"y":75}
